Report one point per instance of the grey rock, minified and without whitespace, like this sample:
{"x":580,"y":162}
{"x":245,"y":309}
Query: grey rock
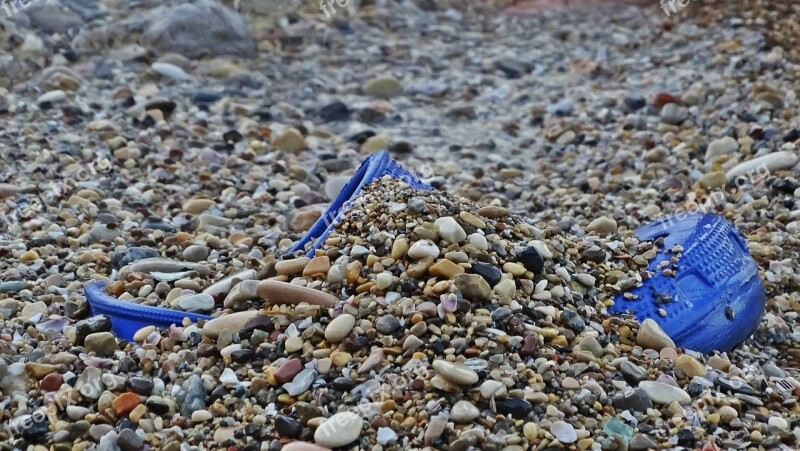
{"x":387,"y":325}
{"x":673,"y":114}
{"x":194,"y":397}
{"x":203,"y":28}
{"x":129,"y":441}
{"x":108,"y":442}
{"x":101,"y":343}
{"x":635,"y":400}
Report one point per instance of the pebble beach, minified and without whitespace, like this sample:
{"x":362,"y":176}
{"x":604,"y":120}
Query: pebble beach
{"x":176,"y":150}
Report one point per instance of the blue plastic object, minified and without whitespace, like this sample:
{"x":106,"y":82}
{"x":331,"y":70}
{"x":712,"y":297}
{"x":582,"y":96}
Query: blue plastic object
{"x":126,"y":317}
{"x":375,"y":166}
{"x":715,"y":300}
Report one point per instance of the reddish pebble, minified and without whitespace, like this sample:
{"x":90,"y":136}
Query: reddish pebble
{"x":663,"y":98}
{"x":125,"y":403}
{"x":288,"y":371}
{"x":528,"y":345}
{"x":51,"y":382}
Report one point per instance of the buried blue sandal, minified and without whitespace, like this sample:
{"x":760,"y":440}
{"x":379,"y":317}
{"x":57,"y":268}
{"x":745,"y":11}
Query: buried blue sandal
{"x":714,"y":301}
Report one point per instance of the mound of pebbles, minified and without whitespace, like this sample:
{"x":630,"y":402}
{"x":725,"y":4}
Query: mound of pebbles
{"x":423,"y":321}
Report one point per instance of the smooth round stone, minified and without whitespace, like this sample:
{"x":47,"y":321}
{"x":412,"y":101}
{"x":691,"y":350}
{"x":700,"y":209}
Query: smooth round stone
{"x":455,"y":372}
{"x":384,"y":280}
{"x":202,"y":302}
{"x":651,"y":336}
{"x":170,"y":70}
{"x":662,"y":393}
{"x":339,"y":430}
{"x":423,"y":249}
{"x":52,"y":96}
{"x":449,"y":230}
{"x":602,"y":225}
{"x":506,"y":288}
{"x":721,"y":146}
{"x":293,"y":344}
{"x":199,"y":416}
{"x":387,"y":324}
{"x":563,"y":432}
{"x":479,"y":241}
{"x":340,"y":327}
{"x":757,"y":169}
{"x":383,"y":87}
{"x":195,"y":253}
{"x":303,"y":446}
{"x":690,"y":366}
{"x":231,"y":321}
{"x":464,"y":412}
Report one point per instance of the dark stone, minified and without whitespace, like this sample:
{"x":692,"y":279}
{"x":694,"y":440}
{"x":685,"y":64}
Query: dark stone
{"x":371,"y":116}
{"x":490,"y":273}
{"x":38,"y":429}
{"x":166,"y":106}
{"x":362,"y":136}
{"x":157,"y":407}
{"x":205,"y":98}
{"x":531,"y":260}
{"x":401,"y":147}
{"x":387,"y":324}
{"x":141,"y":385}
{"x":635,"y":400}
{"x":785,"y":186}
{"x":510,"y":68}
{"x":91,"y":325}
{"x":734,"y":386}
{"x":343,"y":384}
{"x":336,"y":111}
{"x":792,"y":136}
{"x":127,"y":440}
{"x":694,"y":389}
{"x":686,"y":438}
{"x":631,"y":372}
{"x":288,"y":426}
{"x":242,"y":356}
{"x":516,"y":407}
{"x":158,"y":224}
{"x":258,"y":323}
{"x":306,"y":411}
{"x":408,"y":287}
{"x":594,"y":254}
{"x":572,"y":320}
{"x":635,"y":103}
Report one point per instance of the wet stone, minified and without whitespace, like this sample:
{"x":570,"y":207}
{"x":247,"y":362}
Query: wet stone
{"x":516,"y":407}
{"x":288,"y":426}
